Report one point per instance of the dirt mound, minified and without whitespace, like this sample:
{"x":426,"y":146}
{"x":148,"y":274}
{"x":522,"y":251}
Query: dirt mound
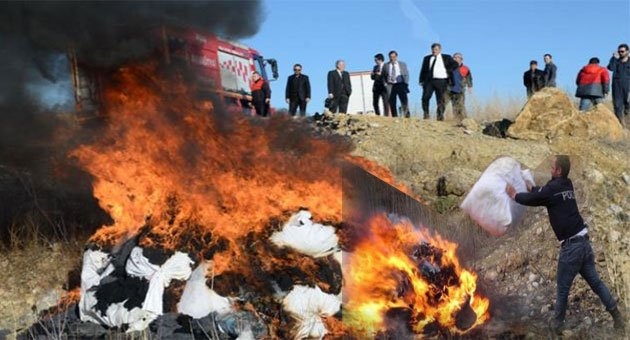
{"x":550,"y":113}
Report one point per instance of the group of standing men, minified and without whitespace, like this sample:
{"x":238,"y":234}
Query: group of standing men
{"x":449,"y":79}
{"x":441,"y":74}
{"x":593,"y":81}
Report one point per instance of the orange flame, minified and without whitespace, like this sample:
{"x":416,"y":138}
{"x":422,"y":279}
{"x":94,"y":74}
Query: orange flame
{"x":378,"y":266}
{"x":185,"y":172}
{"x":163,"y":158}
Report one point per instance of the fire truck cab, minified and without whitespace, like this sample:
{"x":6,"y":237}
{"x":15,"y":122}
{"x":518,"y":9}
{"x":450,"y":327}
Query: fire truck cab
{"x":220,"y":68}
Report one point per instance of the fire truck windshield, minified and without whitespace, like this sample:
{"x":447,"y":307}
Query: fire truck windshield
{"x":260,"y":66}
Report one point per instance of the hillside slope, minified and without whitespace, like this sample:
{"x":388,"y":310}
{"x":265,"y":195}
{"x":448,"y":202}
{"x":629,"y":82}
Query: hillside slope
{"x":518,"y":268}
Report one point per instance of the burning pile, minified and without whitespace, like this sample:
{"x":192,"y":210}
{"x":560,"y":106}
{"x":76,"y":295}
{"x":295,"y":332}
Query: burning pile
{"x":401,"y":280}
{"x":287,"y":281}
{"x":201,"y":201}
{"x":232,"y":225}
{"x":229,"y":221}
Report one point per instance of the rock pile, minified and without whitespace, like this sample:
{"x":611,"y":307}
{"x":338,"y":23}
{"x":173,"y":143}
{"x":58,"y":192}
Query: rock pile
{"x":550,"y":113}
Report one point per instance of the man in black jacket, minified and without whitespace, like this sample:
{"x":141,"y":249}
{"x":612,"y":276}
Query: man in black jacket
{"x":298,"y":91}
{"x":533,"y":79}
{"x":550,"y":71}
{"x":435,"y":75}
{"x":339,"y":87}
{"x":576,"y":254}
{"x":379,"y":90}
{"x":619,"y":64}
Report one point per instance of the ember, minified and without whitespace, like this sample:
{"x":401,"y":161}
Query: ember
{"x":401,"y":273}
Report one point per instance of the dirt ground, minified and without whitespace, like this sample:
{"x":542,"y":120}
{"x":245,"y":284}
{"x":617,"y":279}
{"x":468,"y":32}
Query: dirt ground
{"x":516,"y":270}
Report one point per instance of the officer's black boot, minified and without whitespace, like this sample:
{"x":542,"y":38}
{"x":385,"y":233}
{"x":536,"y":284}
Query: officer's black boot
{"x":619,"y":322}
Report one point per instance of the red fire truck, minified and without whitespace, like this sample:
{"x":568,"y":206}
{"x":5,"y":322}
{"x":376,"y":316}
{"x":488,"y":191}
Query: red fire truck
{"x":220,"y":68}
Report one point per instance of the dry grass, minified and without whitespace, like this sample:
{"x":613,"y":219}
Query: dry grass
{"x":34,"y":271}
{"x":495,"y":108}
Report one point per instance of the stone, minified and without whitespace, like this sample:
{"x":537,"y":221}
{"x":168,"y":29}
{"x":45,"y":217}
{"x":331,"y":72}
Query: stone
{"x":587,"y":321}
{"x":550,"y":113}
{"x":491,"y":275}
{"x":594,"y":176}
{"x":614,"y":209}
{"x":613,"y":236}
{"x":47,"y":300}
{"x":626,"y":178}
{"x":532,"y":277}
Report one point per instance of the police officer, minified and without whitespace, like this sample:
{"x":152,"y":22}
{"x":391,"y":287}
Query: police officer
{"x":576,"y":254}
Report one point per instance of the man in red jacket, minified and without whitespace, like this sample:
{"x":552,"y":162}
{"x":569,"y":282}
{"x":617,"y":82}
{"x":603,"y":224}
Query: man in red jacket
{"x":592,"y":83}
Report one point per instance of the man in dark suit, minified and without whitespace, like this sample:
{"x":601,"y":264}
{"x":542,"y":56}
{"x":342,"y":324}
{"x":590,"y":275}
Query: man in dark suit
{"x":533,"y":79}
{"x":379,"y":90}
{"x":298,"y":91}
{"x":396,"y":76}
{"x":435,"y":76}
{"x":339,"y":87}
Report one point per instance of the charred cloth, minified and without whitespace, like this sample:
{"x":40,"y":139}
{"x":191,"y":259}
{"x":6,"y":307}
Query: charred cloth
{"x":282,"y":282}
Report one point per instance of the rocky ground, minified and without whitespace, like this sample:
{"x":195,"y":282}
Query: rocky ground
{"x":516,"y":270}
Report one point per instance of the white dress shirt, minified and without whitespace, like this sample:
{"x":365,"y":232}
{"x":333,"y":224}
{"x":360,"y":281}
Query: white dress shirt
{"x":439,"y":70}
{"x":396,"y":67}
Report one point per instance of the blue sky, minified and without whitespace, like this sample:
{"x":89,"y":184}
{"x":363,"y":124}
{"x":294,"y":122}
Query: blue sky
{"x":497,"y":38}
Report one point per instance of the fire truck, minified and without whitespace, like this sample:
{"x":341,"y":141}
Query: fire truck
{"x":220,"y":68}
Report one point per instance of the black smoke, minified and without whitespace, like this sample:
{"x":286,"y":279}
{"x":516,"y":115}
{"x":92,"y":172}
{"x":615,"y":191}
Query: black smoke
{"x":35,"y":37}
{"x":106,"y":33}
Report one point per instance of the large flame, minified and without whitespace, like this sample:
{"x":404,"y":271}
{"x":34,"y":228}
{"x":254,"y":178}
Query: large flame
{"x":164,"y":157}
{"x":201,"y":181}
{"x":390,"y":269}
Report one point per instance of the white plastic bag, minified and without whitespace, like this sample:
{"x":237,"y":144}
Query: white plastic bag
{"x":94,"y":261}
{"x":301,"y":234}
{"x":198,"y":300}
{"x":488,"y":204}
{"x":307,"y":305}
{"x":176,"y":267}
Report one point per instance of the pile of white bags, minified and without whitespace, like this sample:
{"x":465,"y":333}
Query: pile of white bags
{"x":488,"y":204}
{"x":307,"y":305}
{"x":178,"y":266}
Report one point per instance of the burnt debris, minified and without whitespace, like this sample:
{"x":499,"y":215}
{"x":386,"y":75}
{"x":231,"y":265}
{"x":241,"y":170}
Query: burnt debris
{"x":498,"y":128}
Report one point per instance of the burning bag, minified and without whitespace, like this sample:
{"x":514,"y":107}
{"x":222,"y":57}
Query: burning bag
{"x":488,"y":204}
{"x":177,"y":267}
{"x":301,"y":234}
{"x":198,"y":300}
{"x":135,"y":299}
{"x":307,"y":305}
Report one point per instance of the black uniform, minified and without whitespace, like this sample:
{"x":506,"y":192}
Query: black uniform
{"x":576,"y":254}
{"x":620,"y":86}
